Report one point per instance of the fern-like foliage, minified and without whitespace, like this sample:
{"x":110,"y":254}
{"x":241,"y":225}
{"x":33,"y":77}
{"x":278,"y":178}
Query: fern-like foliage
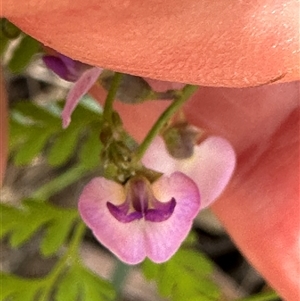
{"x":24,"y":47}
{"x":79,"y":283}
{"x":19,"y":224}
{"x":185,"y":277}
{"x":34,"y":129}
{"x":76,"y":283}
{"x":14,"y":288}
{"x":69,"y":279}
{"x":23,"y":53}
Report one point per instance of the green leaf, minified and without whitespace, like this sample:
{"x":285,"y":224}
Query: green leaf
{"x":57,"y":233}
{"x":94,"y":288}
{"x":18,"y":289}
{"x":150,"y":269}
{"x":7,"y":286}
{"x":191,"y":260}
{"x":37,"y":113}
{"x":89,"y":155}
{"x":17,"y":134}
{"x":34,"y":127}
{"x":68,"y":288}
{"x":83,"y":115}
{"x":9,"y":216}
{"x":184,"y":277}
{"x":27,"y":225}
{"x":36,"y":140}
{"x":9,"y":29}
{"x":4,"y":41}
{"x":23,"y":222}
{"x":27,"y":293}
{"x":64,"y":146}
{"x":167,"y":278}
{"x":23,"y":54}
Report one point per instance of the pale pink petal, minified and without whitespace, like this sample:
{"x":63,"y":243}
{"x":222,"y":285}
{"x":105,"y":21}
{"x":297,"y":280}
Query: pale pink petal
{"x":158,"y":158}
{"x":211,"y":166}
{"x":81,"y":87}
{"x":163,"y":239}
{"x":125,"y":240}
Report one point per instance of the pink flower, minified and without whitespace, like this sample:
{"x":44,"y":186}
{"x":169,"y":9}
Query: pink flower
{"x":210,"y":167}
{"x":83,"y":76}
{"x":143,"y":219}
{"x":81,"y":87}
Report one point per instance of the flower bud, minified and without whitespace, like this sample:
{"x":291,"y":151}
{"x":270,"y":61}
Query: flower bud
{"x":180,"y":140}
{"x":134,"y":89}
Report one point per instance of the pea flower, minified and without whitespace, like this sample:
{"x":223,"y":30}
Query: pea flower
{"x":83,"y":76}
{"x":143,"y":219}
{"x":211,"y":165}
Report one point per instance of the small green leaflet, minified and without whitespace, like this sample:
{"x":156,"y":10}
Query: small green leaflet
{"x":4,"y":42}
{"x":83,"y":283}
{"x":20,"y":224}
{"x":14,"y":288}
{"x":76,"y":283}
{"x":186,"y":276}
{"x":35,"y":129}
{"x":23,"y":54}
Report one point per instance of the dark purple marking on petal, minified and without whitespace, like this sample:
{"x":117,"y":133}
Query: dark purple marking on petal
{"x":70,"y":63}
{"x":75,"y":68}
{"x":161,"y":212}
{"x":57,"y":65}
{"x":120,"y":213}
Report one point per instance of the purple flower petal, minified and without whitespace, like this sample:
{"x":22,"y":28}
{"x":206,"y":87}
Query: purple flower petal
{"x":81,"y":87}
{"x":163,"y":239}
{"x":75,"y":68}
{"x":65,"y":67}
{"x":70,"y":63}
{"x":211,"y":166}
{"x":133,"y":241}
{"x":57,"y":65}
{"x":121,"y":214}
{"x":162,"y":211}
{"x":126,"y":241}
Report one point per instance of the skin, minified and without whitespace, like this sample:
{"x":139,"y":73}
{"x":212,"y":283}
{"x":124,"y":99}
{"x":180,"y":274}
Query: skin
{"x":218,"y":44}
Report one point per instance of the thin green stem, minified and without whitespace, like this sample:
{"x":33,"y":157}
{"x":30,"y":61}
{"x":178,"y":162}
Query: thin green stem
{"x":269,"y":296}
{"x":108,"y":105}
{"x":186,"y":93}
{"x":76,"y":240}
{"x":70,"y":255}
{"x":70,"y":176}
